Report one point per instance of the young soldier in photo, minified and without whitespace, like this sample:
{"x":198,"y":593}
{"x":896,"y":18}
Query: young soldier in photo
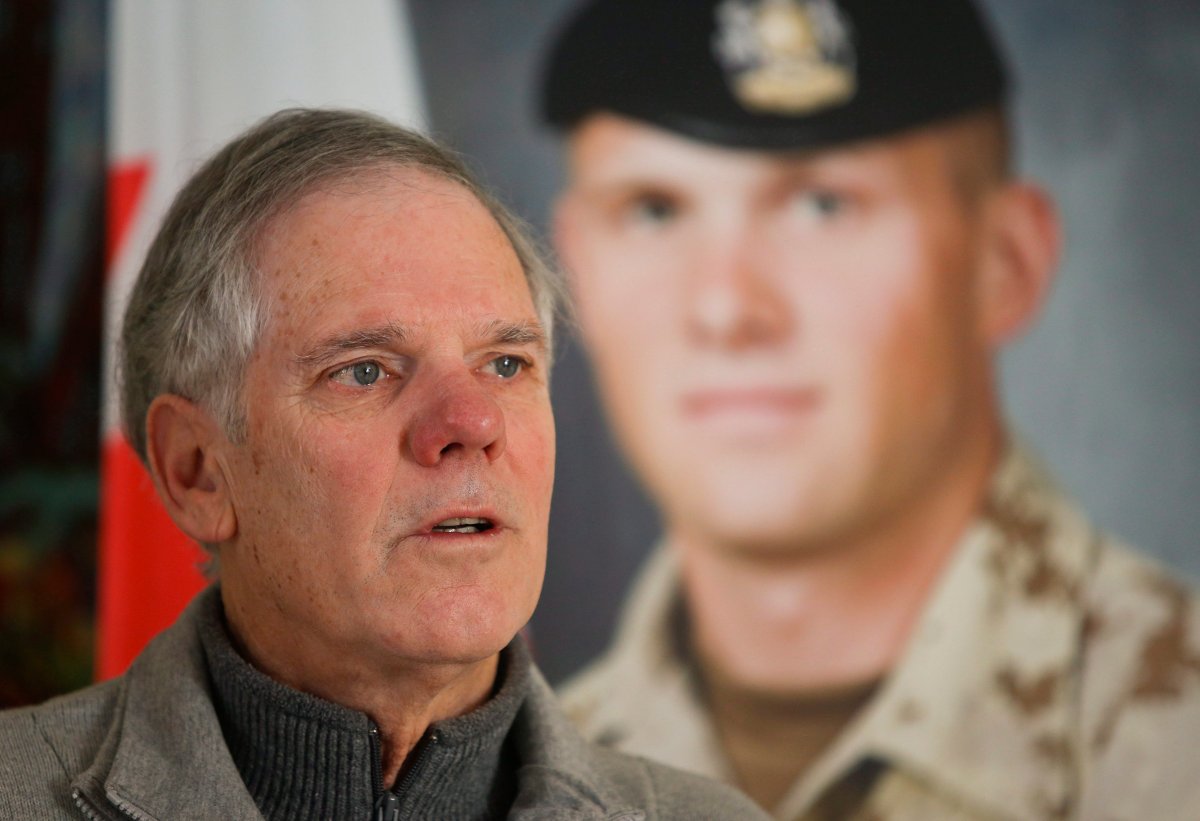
{"x":798,"y":244}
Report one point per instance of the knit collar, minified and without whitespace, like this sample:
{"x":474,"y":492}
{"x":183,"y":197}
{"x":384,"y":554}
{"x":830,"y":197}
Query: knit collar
{"x":302,"y":757}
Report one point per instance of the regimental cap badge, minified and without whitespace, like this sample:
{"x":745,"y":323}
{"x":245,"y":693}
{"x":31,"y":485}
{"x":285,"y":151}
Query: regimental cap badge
{"x":786,"y":57}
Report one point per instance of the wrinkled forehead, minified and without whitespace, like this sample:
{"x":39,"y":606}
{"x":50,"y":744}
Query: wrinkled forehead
{"x":383,"y":248}
{"x":343,"y":191}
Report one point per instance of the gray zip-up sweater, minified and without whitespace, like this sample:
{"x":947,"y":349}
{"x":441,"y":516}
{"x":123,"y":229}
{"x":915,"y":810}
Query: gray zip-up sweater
{"x":149,"y":746}
{"x":303,"y":758}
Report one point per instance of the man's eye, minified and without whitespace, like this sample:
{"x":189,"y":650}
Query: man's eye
{"x":506,"y":367}
{"x":820,"y":204}
{"x":360,"y":374}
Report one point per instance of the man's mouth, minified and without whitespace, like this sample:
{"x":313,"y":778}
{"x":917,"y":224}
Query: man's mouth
{"x":463,"y":525}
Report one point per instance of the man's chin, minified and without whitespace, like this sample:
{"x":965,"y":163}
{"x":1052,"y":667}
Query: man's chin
{"x":446,"y":649}
{"x":461,"y":632}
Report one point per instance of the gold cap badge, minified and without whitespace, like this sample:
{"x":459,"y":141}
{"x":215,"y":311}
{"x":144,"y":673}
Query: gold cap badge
{"x":785,"y":56}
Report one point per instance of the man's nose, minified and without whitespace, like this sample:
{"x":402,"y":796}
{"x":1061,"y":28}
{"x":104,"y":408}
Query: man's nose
{"x":732,"y":301}
{"x":459,"y":416}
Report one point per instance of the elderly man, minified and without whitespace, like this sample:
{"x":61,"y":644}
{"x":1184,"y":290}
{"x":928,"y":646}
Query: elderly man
{"x":335,"y":365}
{"x":797,"y":246}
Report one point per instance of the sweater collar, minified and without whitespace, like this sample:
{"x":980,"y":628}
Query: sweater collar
{"x":164,"y":755}
{"x":303,"y":757}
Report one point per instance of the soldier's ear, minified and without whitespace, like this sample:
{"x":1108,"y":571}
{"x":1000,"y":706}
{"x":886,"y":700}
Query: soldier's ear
{"x":1022,"y":240}
{"x":562,"y":232}
{"x":570,"y":248}
{"x":182,"y":442}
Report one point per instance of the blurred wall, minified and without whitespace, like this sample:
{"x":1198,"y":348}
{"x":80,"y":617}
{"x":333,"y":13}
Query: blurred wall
{"x":52,"y":81}
{"x":1107,"y":386}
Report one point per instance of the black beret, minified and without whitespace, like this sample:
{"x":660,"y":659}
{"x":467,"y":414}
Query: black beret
{"x":773,"y":74}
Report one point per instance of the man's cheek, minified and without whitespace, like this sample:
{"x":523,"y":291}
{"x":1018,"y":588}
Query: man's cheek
{"x":358,"y":473}
{"x":309,"y":465}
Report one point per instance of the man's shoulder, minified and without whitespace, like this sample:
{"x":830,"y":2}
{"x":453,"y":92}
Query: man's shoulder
{"x":1134,"y":634}
{"x":1135,"y":624}
{"x":669,"y":793}
{"x":1141,"y":623}
{"x":44,"y":747}
{"x":1140,"y":686}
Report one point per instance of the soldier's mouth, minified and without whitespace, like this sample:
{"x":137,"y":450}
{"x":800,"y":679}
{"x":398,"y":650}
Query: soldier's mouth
{"x":463,"y":525}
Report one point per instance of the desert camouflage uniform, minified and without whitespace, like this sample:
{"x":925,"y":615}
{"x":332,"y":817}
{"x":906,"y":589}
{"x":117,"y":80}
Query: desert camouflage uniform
{"x":1053,"y":675}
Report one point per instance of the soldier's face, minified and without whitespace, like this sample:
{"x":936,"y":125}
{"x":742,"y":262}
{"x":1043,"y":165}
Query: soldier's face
{"x":788,"y":347}
{"x":393,"y":489}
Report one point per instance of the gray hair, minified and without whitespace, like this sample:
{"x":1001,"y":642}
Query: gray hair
{"x":196,"y":310}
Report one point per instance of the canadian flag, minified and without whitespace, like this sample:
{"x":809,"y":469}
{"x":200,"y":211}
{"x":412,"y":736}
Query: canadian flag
{"x":185,"y":77}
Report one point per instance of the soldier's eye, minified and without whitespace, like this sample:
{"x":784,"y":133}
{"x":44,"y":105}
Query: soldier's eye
{"x":653,"y":210}
{"x":820,"y":204}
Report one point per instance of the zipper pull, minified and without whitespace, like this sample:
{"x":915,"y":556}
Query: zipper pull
{"x":387,"y":808}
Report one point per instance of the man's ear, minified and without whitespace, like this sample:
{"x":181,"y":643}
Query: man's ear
{"x":181,"y":448}
{"x":1020,"y":256}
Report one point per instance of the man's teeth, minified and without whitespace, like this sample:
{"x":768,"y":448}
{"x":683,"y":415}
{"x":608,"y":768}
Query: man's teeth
{"x":462,"y":525}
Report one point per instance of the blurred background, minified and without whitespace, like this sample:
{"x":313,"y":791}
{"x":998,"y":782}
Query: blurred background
{"x":1107,"y":386}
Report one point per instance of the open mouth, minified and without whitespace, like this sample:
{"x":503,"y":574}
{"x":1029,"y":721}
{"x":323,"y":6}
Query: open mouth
{"x":463,"y":525}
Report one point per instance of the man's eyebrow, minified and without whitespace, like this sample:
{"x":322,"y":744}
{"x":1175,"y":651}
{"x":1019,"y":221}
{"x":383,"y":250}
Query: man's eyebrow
{"x":331,"y":348}
{"x":500,"y":332}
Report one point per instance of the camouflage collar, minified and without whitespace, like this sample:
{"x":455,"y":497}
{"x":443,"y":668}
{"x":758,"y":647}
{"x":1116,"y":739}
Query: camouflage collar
{"x":979,"y":710}
{"x":981,"y":705}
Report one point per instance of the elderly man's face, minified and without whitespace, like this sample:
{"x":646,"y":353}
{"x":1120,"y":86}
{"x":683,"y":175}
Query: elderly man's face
{"x":788,"y":347}
{"x":392,"y":493}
